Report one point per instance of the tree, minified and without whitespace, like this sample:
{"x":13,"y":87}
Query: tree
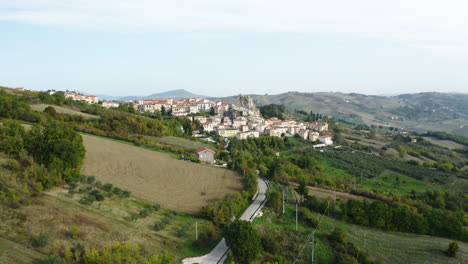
{"x":302,"y":190}
{"x":12,"y":136}
{"x":50,"y":110}
{"x":244,"y":241}
{"x":58,"y":147}
{"x":452,"y":249}
{"x":274,"y":200}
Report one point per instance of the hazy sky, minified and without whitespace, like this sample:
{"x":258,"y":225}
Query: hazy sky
{"x":218,"y":48}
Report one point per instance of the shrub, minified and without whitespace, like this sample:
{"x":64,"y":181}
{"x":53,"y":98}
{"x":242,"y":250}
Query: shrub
{"x":87,"y":200}
{"x":117,"y":191}
{"x":90,"y":179}
{"x":54,"y":259}
{"x":41,"y":240}
{"x":97,"y":195}
{"x":125,"y":194}
{"x":206,"y":237}
{"x":107,"y":187}
{"x":75,"y":231}
{"x":452,"y":249}
{"x":308,"y":218}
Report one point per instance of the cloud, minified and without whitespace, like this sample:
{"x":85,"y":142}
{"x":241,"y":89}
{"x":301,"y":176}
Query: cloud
{"x":436,"y":23}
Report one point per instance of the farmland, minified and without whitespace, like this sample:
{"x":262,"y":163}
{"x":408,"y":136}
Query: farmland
{"x":62,"y":110}
{"x":157,"y":177}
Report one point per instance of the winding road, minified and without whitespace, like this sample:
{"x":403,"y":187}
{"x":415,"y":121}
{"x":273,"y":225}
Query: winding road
{"x":219,"y":253}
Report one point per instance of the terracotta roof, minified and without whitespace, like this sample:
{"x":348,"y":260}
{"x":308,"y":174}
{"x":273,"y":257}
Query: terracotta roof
{"x":203,"y":149}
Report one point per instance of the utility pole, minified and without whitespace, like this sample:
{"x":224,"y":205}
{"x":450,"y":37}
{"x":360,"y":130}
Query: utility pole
{"x":334,"y":199}
{"x":296,"y":216}
{"x":283,"y":201}
{"x":313,"y":248}
{"x":196,"y":230}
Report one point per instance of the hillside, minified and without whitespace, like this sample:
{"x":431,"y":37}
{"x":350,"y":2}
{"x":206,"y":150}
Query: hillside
{"x":418,"y":112}
{"x":179,"y":93}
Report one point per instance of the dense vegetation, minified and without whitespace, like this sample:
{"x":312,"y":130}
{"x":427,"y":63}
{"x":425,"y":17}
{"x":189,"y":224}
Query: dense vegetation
{"x":273,"y":110}
{"x":243,"y":240}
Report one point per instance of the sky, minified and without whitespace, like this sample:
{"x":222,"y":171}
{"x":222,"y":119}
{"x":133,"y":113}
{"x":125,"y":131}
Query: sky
{"x":221,"y":48}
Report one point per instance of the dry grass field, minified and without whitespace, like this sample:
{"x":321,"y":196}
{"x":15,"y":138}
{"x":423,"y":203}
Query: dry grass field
{"x":157,"y":177}
{"x":63,"y":110}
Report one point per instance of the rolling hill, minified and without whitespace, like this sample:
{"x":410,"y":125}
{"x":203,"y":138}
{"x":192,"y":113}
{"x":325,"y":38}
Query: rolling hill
{"x":179,"y":93}
{"x":417,"y":112}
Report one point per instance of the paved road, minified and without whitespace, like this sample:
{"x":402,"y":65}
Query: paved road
{"x":218,"y":254}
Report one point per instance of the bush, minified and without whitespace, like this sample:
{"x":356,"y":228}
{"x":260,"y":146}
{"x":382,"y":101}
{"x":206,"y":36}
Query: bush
{"x":54,"y":259}
{"x":452,"y":249}
{"x":107,"y":187}
{"x":40,"y":241}
{"x":125,"y":194}
{"x":206,"y":237}
{"x":75,"y":231}
{"x":90,"y":179}
{"x":97,"y":195}
{"x":163,"y":223}
{"x":308,"y":218}
{"x":87,"y":200}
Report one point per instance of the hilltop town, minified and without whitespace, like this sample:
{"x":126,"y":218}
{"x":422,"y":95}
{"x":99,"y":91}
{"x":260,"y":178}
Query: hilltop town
{"x":241,"y":120}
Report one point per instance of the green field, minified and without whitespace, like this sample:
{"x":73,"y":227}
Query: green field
{"x":182,"y":142}
{"x":395,"y":247}
{"x":390,"y":181}
{"x":390,"y":247}
{"x":62,"y":110}
{"x":387,"y":181}
{"x":444,"y":143}
{"x":12,"y":252}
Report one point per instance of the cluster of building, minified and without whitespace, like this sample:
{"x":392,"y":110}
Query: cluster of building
{"x":180,"y":107}
{"x":90,"y":99}
{"x":246,"y":127}
{"x":241,"y":120}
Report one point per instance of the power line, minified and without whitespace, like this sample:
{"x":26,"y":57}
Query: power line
{"x":313,"y":233}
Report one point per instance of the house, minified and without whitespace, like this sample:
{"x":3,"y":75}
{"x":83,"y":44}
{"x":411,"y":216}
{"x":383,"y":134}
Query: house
{"x":304,"y":134}
{"x":228,"y":132}
{"x":327,"y":140}
{"x":313,"y":136}
{"x":110,"y":104}
{"x":206,"y":155}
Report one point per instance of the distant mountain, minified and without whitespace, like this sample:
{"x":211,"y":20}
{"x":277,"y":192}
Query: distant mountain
{"x":417,"y":112}
{"x":179,"y":93}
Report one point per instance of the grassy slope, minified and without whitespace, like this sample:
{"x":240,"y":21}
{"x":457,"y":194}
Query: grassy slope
{"x":12,"y":252}
{"x":391,"y":247}
{"x":102,"y":223}
{"x":157,"y":177}
{"x":394,"y":247}
{"x":63,"y":110}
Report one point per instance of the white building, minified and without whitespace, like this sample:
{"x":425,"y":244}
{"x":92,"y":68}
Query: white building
{"x":327,"y":139}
